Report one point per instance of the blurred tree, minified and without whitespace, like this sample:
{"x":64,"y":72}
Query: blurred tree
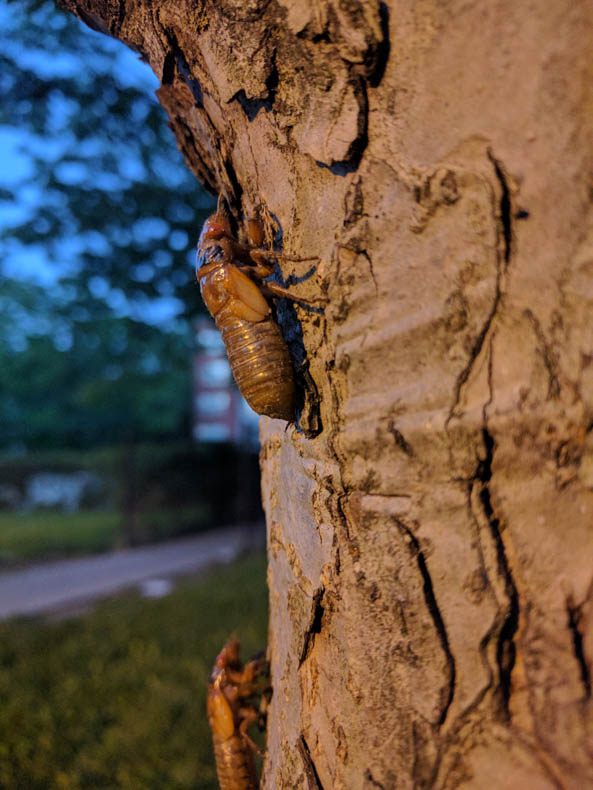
{"x":98,"y":218}
{"x":117,"y":375}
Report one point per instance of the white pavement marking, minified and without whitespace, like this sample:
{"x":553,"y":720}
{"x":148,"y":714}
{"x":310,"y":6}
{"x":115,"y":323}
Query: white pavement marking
{"x":52,"y":586}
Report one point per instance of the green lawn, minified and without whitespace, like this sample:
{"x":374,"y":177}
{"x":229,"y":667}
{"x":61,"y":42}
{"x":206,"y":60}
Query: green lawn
{"x":47,"y":534}
{"x":116,"y":699}
{"x":26,"y":537}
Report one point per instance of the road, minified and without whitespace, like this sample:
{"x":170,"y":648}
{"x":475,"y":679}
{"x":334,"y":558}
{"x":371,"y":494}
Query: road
{"x":65,"y":585}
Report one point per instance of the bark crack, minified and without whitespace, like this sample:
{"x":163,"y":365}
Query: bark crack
{"x":357,"y":147}
{"x":506,"y":236}
{"x":505,"y":208}
{"x":547,"y":355}
{"x":168,"y":72}
{"x":400,"y":439}
{"x":175,"y":57}
{"x":315,"y":625}
{"x":369,"y":260}
{"x":474,"y":353}
{"x":121,"y":16}
{"x":433,"y":608}
{"x":192,"y":83}
{"x":251,"y":107}
{"x":574,"y":612}
{"x":378,"y":61}
{"x":505,"y":648}
{"x":310,"y":769}
{"x":372,"y":781}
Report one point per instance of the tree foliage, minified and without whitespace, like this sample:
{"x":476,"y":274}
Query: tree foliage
{"x":98,"y":218}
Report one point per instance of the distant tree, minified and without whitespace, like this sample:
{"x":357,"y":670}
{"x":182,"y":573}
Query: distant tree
{"x":98,"y":218}
{"x":118,"y":378}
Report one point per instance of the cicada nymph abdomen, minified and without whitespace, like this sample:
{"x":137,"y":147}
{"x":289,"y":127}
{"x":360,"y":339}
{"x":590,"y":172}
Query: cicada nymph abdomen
{"x":260,"y":362}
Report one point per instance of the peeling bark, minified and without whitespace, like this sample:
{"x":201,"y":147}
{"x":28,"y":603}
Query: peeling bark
{"x":430,"y":515}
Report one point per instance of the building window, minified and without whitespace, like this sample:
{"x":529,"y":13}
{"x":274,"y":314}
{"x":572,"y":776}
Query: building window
{"x":212,"y":404}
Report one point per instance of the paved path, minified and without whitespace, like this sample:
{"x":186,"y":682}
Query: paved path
{"x":55,"y":586}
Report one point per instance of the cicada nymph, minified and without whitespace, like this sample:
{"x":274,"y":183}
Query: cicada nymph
{"x":231,"y":689}
{"x":231,"y":277}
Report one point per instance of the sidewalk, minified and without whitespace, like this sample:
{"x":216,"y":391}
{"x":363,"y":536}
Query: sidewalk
{"x":64,"y":584}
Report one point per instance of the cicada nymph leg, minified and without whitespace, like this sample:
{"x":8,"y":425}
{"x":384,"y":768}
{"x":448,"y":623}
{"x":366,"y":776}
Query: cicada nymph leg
{"x":260,"y":266}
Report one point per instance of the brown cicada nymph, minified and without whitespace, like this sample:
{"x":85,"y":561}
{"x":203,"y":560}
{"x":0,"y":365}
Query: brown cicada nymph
{"x":231,"y":277}
{"x":231,"y":689}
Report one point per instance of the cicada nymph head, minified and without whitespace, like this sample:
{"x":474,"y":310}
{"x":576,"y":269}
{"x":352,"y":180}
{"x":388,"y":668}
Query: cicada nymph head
{"x":217,"y":225}
{"x":228,"y":656}
{"x":215,"y":228}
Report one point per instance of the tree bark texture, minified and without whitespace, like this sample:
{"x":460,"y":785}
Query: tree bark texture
{"x":430,"y":517}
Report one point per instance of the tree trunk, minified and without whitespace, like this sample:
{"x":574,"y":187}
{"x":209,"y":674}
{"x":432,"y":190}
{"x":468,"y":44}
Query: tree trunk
{"x":430,"y":517}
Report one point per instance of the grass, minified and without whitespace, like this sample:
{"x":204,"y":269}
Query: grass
{"x":47,"y":534}
{"x":116,"y":699}
{"x":26,"y":537}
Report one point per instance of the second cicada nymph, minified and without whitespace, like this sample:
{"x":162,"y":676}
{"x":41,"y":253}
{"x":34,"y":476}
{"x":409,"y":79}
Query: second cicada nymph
{"x":231,"y":277}
{"x":231,"y":689}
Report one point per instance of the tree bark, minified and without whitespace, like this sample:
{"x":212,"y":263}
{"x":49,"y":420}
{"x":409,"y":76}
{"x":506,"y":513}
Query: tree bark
{"x":430,"y":517}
